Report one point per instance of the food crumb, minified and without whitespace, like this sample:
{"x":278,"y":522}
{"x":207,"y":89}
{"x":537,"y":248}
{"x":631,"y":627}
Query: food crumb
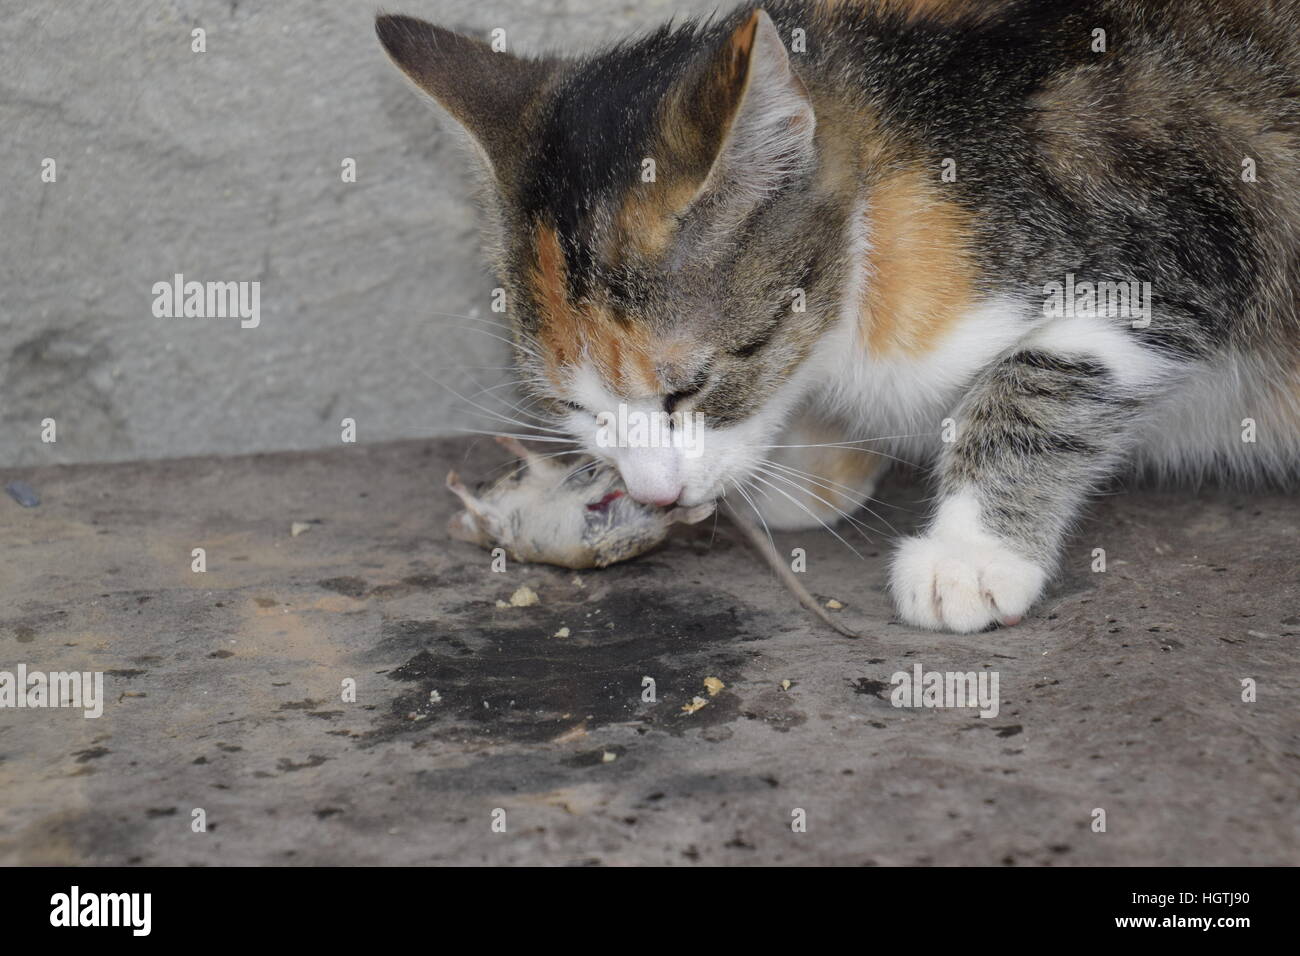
{"x":713,"y":685}
{"x":608,"y":757}
{"x":502,"y":604}
{"x":562,"y":632}
{"x":695,"y":704}
{"x":834,"y":605}
{"x":299,"y":527}
{"x":435,"y":697}
{"x":786,"y":684}
{"x":524,"y":597}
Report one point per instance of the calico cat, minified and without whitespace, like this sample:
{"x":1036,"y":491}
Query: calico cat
{"x":928,"y":221}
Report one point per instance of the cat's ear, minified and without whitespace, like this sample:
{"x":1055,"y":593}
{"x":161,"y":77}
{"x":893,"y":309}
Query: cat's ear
{"x":485,"y":90}
{"x":766,"y":116}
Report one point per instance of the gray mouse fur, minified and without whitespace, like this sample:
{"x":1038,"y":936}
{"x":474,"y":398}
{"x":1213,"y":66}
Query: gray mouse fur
{"x":575,"y":514}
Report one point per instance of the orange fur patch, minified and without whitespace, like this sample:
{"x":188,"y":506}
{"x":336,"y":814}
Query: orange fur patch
{"x":647,"y":218}
{"x":571,"y":332}
{"x":736,"y":68}
{"x":920,"y":277}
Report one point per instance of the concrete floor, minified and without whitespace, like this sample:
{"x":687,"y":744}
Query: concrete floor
{"x":1122,"y":692}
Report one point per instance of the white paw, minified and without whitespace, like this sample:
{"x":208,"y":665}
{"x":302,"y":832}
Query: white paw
{"x":960,"y":578}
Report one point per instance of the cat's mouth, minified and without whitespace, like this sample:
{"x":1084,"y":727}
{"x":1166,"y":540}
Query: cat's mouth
{"x":690,"y":499}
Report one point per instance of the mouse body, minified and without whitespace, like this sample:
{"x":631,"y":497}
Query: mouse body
{"x":574,"y":513}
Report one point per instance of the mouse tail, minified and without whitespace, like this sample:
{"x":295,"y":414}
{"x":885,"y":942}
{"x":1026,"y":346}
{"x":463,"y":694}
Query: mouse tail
{"x":762,"y":543}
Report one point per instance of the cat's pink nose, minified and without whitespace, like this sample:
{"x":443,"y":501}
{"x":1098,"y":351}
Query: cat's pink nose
{"x":652,"y":475}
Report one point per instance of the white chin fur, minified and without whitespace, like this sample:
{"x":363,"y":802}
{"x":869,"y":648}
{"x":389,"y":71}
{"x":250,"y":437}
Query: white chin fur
{"x":959,"y":577}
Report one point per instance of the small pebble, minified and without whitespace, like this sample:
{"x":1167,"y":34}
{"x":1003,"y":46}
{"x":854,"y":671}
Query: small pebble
{"x":562,"y":632}
{"x":834,"y":605}
{"x":23,"y":493}
{"x":299,"y":527}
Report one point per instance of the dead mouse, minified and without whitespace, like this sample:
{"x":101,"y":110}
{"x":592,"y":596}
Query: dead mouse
{"x":574,"y":513}
{"x":577,"y":514}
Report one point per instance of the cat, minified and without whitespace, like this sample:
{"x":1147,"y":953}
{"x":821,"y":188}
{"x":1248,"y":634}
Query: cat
{"x":931,"y":222}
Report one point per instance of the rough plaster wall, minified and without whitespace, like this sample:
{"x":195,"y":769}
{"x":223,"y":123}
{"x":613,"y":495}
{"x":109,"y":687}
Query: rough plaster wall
{"x":225,"y":166}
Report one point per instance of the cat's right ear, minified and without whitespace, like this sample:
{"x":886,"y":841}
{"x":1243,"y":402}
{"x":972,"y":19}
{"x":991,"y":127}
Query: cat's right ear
{"x":486,"y":91}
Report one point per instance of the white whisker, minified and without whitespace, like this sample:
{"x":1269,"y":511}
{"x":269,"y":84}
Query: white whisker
{"x":799,"y":504}
{"x":859,"y":526}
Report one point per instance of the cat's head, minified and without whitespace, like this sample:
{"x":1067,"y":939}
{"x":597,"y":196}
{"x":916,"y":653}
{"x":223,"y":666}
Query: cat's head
{"x":667,"y":239}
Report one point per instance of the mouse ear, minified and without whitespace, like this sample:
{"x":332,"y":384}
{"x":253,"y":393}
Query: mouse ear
{"x":460,"y":491}
{"x":478,"y":523}
{"x":548,"y":467}
{"x":473,"y":504}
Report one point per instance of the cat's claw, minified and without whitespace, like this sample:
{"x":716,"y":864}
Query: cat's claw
{"x":962,"y":584}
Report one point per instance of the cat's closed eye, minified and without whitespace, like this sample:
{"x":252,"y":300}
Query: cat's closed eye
{"x":676,"y":398}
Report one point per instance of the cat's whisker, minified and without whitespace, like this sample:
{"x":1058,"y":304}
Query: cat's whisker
{"x":509,"y":383}
{"x":848,"y":516}
{"x":861,"y":527}
{"x":519,"y":407}
{"x":531,"y":353}
{"x":808,"y":511}
{"x":492,"y":413}
{"x":581,"y":468}
{"x":852,"y":441}
{"x":849,"y":446}
{"x":524,"y":336}
{"x":521,"y":423}
{"x":538,"y":456}
{"x":757,"y":513}
{"x":531,"y":412}
{"x":518,"y":436}
{"x":856,"y":498}
{"x":852,"y":494}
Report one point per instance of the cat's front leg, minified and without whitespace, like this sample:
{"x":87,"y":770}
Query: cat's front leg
{"x":1033,"y":437}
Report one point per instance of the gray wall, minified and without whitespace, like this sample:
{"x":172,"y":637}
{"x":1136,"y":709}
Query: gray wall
{"x":225,"y":165}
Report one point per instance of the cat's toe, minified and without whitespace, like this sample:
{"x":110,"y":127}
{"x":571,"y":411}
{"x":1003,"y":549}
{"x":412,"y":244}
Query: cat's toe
{"x":962,"y":586}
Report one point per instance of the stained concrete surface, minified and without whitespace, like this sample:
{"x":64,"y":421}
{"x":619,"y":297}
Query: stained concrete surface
{"x":1121,"y":692}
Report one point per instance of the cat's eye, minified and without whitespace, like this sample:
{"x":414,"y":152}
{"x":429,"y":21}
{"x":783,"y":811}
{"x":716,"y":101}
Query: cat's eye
{"x":676,"y":398}
{"x":571,"y":406}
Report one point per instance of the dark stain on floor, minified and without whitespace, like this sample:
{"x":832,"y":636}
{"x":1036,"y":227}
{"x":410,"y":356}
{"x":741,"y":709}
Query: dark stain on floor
{"x":501,"y":673}
{"x":352,"y":587}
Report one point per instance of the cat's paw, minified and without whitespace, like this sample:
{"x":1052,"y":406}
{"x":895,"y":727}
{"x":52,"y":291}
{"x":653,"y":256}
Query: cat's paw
{"x":960,"y":578}
{"x":962,"y":586}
